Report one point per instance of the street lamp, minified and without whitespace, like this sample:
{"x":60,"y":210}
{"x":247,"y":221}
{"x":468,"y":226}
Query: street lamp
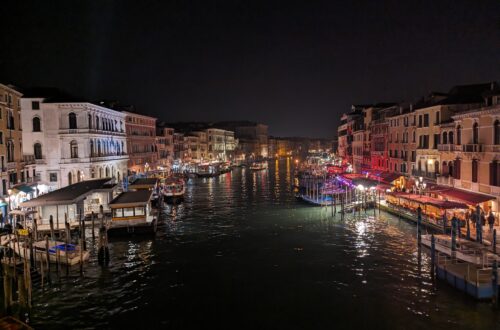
{"x":420,"y":185}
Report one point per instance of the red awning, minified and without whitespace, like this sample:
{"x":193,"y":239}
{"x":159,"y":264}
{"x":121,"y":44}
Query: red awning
{"x":468,"y":197}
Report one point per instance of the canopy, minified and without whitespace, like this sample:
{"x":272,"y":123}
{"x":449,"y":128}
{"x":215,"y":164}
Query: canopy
{"x":22,"y":188}
{"x":426,"y":200}
{"x":466,"y":196}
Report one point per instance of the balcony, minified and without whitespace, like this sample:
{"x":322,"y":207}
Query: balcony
{"x":89,"y":131}
{"x":491,"y":148}
{"x":11,"y":165}
{"x":472,"y":148}
{"x":428,"y":175}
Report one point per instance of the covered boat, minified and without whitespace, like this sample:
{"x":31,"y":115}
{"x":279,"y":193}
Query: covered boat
{"x":173,"y":190}
{"x":132,"y":214}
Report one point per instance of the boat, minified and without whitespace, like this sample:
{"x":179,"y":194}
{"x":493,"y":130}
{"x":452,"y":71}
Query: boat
{"x":467,"y":251}
{"x":173,"y":190}
{"x":207,"y":171}
{"x":225,"y":168}
{"x":257,"y":166}
{"x":59,"y":252}
{"x":132,"y":213}
{"x":324,"y":201}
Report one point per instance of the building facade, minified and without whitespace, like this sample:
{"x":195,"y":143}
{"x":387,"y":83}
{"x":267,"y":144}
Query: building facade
{"x":141,"y":142}
{"x":165,"y":147}
{"x":11,"y":143}
{"x":73,"y":141}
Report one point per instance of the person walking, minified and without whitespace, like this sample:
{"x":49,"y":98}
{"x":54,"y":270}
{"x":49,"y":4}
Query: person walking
{"x":491,"y":221}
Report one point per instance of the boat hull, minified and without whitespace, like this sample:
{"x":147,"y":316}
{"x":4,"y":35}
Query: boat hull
{"x":148,"y":228}
{"x":173,"y":199}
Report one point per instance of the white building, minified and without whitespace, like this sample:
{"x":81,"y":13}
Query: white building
{"x":221,"y":144}
{"x":73,"y":141}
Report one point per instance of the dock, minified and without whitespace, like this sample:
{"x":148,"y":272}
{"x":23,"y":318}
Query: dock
{"x":469,"y":278}
{"x":412,"y":217}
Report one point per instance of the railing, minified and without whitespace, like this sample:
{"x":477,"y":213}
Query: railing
{"x":11,"y":165}
{"x":472,"y":147}
{"x":491,"y":148}
{"x":430,"y":175}
{"x":445,"y":147}
{"x":89,"y":130}
{"x":29,"y":159}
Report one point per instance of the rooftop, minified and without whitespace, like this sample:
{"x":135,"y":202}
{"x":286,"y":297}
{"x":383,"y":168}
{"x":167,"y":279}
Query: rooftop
{"x":70,"y":194}
{"x":131,"y":197}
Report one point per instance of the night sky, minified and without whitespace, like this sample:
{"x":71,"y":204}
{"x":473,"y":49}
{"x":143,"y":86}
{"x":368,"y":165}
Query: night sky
{"x":295,"y":65}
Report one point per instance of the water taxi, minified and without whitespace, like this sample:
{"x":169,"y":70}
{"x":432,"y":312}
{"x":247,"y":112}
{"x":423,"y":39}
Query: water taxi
{"x":257,"y":166}
{"x":132,"y":214}
{"x":173,"y":190}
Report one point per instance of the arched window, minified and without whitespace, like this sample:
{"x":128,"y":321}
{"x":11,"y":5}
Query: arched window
{"x":450,"y":168}
{"x":70,"y":178}
{"x":496,"y":132}
{"x":100,"y":172}
{"x":36,"y":124}
{"x":450,"y":137}
{"x":107,"y":172}
{"x":436,"y":167}
{"x":444,"y":169}
{"x":457,"y":168}
{"x":98,"y":147}
{"x":475,"y":133}
{"x":96,"y":122}
{"x":78,"y":176}
{"x":89,"y":121}
{"x":10,"y":151}
{"x":474,"y":170}
{"x":92,"y":152}
{"x":459,"y":135}
{"x":414,"y":136}
{"x":495,"y":173}
{"x":72,"y":121}
{"x":445,"y":138}
{"x":74,"y":149}
{"x":37,"y":150}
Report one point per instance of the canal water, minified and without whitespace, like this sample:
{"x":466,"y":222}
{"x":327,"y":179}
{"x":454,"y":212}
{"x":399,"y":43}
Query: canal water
{"x":243,"y":253}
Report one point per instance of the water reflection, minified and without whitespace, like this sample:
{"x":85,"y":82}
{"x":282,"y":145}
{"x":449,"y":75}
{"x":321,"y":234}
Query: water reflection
{"x":242,"y":252}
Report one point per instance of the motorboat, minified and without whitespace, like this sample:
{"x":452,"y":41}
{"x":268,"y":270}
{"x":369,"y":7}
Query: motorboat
{"x":173,"y":190}
{"x":58,"y":252}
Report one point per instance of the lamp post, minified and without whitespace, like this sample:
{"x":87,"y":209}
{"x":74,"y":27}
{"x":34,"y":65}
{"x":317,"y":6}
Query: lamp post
{"x":420,"y":185}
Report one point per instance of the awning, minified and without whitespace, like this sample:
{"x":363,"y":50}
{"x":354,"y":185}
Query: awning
{"x":436,"y":188}
{"x":23,"y":188}
{"x":468,"y":197}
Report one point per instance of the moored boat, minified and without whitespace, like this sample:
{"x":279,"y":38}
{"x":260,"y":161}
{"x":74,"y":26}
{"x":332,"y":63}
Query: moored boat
{"x":320,"y":201}
{"x":132,"y":214}
{"x":173,"y":190}
{"x":207,"y":170}
{"x":59,"y":252}
{"x":257,"y":166}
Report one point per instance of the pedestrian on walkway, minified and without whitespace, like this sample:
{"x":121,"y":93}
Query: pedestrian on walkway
{"x":491,"y":221}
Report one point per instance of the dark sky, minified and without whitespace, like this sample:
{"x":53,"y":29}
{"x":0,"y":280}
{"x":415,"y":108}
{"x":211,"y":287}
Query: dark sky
{"x":295,"y":65}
